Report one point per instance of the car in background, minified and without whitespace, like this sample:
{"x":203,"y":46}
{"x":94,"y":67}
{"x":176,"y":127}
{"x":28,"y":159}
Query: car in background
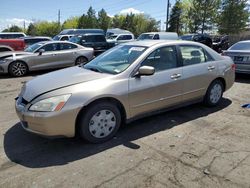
{"x":94,"y":40}
{"x":240,"y":54}
{"x":220,"y":43}
{"x":12,"y":45}
{"x":44,"y":55}
{"x":120,"y":38}
{"x":62,"y":37}
{"x":158,"y":36}
{"x":125,"y":83}
{"x":32,"y":40}
{"x":197,"y":37}
{"x":11,"y":35}
{"x":80,"y":31}
{"x":116,"y":31}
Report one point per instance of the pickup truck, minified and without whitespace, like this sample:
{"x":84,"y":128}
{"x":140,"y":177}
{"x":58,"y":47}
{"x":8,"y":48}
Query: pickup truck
{"x":94,"y":40}
{"x":12,"y":45}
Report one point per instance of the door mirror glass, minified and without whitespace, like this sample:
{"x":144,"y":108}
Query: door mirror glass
{"x":146,"y":71}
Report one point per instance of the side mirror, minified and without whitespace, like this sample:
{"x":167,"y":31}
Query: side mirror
{"x":145,"y":71}
{"x":41,"y":51}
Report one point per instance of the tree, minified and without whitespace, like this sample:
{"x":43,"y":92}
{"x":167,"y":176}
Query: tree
{"x":175,"y":18}
{"x":31,"y":30}
{"x":202,"y":15}
{"x":71,"y":23}
{"x":103,"y":20}
{"x":45,"y":28}
{"x":13,"y":28}
{"x":89,"y":20}
{"x":234,"y":16}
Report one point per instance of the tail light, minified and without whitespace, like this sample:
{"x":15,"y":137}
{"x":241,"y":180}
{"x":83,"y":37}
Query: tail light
{"x":233,"y":67}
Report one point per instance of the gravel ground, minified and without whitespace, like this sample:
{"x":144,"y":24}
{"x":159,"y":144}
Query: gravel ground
{"x":194,"y":146}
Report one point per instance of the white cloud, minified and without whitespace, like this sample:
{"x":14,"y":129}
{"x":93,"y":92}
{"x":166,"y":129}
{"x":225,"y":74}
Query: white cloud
{"x":5,"y":23}
{"x":130,"y":10}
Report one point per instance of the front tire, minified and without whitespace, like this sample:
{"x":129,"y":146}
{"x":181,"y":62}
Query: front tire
{"x":99,"y":122}
{"x":18,"y":68}
{"x":214,"y":93}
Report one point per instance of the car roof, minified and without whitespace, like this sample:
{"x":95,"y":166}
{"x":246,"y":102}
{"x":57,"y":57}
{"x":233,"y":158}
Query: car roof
{"x":48,"y":42}
{"x":35,"y":37}
{"x":149,"y":43}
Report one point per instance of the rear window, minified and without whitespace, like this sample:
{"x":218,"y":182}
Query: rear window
{"x":240,"y":46}
{"x":10,"y":36}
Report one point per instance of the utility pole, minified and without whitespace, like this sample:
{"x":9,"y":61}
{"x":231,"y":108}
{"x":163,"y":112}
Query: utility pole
{"x":59,"y":17}
{"x":24,"y":27}
{"x":168,"y":6}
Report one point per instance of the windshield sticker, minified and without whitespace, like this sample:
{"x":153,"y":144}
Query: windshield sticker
{"x":139,"y":49}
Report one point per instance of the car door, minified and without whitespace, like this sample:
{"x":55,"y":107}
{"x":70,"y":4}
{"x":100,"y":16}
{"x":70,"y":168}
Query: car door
{"x":199,"y":70}
{"x":160,"y":90}
{"x":66,"y":55}
{"x":45,"y":57}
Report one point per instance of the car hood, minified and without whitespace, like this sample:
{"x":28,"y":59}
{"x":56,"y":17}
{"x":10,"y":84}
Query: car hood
{"x":12,"y":55}
{"x":57,"y":80}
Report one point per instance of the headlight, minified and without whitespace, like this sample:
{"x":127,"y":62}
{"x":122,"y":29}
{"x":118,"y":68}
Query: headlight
{"x":50,"y":104}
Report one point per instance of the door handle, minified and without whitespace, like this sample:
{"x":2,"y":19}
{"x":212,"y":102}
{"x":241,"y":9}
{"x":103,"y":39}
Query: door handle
{"x":175,"y":76}
{"x":53,"y":54}
{"x":210,"y":68}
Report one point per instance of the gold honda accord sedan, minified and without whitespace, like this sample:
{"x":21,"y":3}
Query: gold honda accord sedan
{"x":126,"y":82}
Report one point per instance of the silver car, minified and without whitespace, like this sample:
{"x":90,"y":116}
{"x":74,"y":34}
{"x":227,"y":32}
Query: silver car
{"x":125,"y":83}
{"x":44,"y":55}
{"x":240,"y":54}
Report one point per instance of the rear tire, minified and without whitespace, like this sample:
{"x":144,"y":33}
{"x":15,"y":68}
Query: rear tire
{"x":99,"y":122}
{"x":18,"y":68}
{"x":81,"y":61}
{"x":214,"y":93}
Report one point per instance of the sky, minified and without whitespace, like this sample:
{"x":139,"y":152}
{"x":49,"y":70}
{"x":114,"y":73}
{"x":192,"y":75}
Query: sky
{"x":19,"y":11}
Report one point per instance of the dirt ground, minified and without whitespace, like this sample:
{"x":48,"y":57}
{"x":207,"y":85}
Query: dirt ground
{"x":194,"y":146}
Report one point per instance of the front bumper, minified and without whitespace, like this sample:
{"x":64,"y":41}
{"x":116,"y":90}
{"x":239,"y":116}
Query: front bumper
{"x":51,"y":124}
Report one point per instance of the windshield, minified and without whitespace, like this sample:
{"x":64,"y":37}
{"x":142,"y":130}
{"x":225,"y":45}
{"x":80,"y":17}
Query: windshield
{"x":56,"y":37}
{"x":75,"y":39}
{"x":186,"y":37}
{"x":33,"y":47}
{"x":241,"y":46}
{"x":116,"y":60}
{"x":145,"y":36}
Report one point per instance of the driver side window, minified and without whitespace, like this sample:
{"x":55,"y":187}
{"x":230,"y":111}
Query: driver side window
{"x":162,"y":59}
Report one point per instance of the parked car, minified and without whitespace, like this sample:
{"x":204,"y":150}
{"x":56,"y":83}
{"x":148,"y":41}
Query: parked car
{"x":128,"y":81}
{"x":62,"y":37}
{"x":32,"y":40}
{"x":158,"y":36}
{"x":120,"y":38}
{"x":93,"y":40}
{"x":11,"y":45}
{"x":80,"y":31}
{"x":44,"y":55}
{"x":202,"y":38}
{"x":11,"y":35}
{"x":220,"y":43}
{"x":116,"y":31}
{"x":240,"y":54}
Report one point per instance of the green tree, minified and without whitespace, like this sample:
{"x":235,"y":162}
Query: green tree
{"x":234,"y":16}
{"x":175,"y":17}
{"x":202,"y":14}
{"x":31,"y":30}
{"x":13,"y":28}
{"x":104,"y":20}
{"x":71,"y":23}
{"x":88,"y":20}
{"x":45,"y":28}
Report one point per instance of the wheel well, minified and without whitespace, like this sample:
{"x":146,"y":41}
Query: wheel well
{"x":106,"y":99}
{"x":82,"y":56}
{"x":223,"y":82}
{"x":19,"y":61}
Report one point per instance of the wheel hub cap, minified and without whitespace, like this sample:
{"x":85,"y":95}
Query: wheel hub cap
{"x":215,"y":93}
{"x":102,"y":123}
{"x":19,"y":69}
